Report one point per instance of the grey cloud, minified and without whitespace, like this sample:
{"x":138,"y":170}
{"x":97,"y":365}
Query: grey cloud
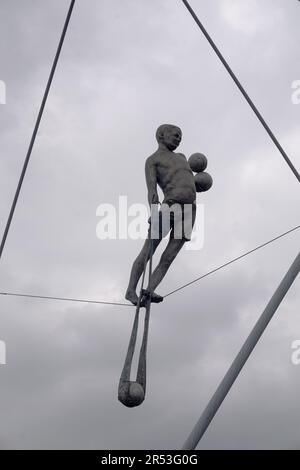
{"x":126,"y":67}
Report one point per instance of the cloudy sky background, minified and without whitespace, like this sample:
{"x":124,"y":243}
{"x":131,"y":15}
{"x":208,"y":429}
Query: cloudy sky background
{"x":126,"y":67}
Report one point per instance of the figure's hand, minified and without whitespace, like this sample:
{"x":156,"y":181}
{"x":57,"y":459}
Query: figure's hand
{"x":154,"y":207}
{"x":153,"y":198}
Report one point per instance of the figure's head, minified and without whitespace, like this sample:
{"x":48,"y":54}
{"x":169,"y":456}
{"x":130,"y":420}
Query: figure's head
{"x":169,"y":135}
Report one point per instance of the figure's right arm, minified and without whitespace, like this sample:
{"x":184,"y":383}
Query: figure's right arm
{"x":151,"y":180}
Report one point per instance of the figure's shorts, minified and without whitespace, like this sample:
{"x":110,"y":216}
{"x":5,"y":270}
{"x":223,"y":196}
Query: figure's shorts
{"x":178,"y":219}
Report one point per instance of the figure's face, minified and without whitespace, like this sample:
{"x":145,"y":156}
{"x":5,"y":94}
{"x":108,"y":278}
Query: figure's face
{"x":172,"y":138}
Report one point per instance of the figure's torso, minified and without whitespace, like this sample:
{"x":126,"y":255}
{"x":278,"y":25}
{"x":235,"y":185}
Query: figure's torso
{"x":175,"y":177}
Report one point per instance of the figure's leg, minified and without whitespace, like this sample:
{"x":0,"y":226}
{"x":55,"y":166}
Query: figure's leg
{"x":138,"y":268}
{"x":167,"y":258}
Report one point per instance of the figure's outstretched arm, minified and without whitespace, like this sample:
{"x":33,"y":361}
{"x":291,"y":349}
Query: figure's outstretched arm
{"x":151,"y":180}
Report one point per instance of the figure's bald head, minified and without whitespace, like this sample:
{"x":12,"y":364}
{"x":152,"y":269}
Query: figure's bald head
{"x":169,"y":135}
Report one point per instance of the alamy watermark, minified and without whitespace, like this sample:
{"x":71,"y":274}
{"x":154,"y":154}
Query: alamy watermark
{"x":2,"y":353}
{"x":296,"y":94}
{"x":2,"y":92}
{"x":295,"y":357}
{"x":125,"y":221}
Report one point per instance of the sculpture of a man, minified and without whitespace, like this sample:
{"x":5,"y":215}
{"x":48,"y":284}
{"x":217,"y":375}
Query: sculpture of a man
{"x":172,"y":173}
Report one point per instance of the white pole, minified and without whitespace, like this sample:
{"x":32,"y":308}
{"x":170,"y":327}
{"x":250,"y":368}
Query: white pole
{"x":242,"y":357}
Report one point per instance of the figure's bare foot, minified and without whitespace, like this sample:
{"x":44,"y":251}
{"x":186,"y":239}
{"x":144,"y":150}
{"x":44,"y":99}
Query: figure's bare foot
{"x":155,"y":298}
{"x":131,"y":296}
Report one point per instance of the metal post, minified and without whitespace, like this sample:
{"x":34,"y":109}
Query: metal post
{"x":36,"y":128}
{"x":242,"y":357}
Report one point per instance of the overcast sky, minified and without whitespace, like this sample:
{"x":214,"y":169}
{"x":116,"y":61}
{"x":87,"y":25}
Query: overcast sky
{"x":127,"y":67}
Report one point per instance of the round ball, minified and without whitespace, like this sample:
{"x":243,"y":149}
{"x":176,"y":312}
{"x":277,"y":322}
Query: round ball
{"x":130,"y":393}
{"x":198,"y":162}
{"x":136,"y":393}
{"x":203,"y":182}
